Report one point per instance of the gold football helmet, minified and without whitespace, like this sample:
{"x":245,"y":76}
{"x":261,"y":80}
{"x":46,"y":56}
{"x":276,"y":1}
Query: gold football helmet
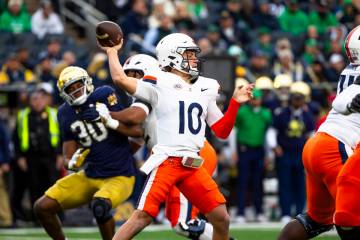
{"x":70,"y":75}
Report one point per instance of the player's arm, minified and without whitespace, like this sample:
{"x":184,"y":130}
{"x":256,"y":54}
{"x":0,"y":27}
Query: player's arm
{"x":222,"y":124}
{"x":131,"y":115}
{"x":69,"y":148}
{"x":348,"y":101}
{"x":133,"y":86}
{"x":134,"y":130}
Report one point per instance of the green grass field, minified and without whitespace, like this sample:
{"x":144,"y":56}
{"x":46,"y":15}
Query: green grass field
{"x":249,"y":232}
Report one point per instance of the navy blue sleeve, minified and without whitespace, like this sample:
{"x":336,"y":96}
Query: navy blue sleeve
{"x":66,"y":134}
{"x":309,"y":122}
{"x":111,"y":98}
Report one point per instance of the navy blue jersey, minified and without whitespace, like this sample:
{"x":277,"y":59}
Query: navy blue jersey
{"x":110,"y":152}
{"x":293,"y":128}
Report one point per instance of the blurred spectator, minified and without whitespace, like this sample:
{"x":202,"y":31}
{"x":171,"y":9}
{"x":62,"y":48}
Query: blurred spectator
{"x":43,"y":70}
{"x":293,"y":20}
{"x":285,"y":64}
{"x":68,"y":59}
{"x":316,"y":73}
{"x":348,"y":14}
{"x":311,"y":53}
{"x":238,"y":53}
{"x":53,"y":52}
{"x":291,"y":127}
{"x":23,"y":55}
{"x":197,"y":9}
{"x":5,"y":211}
{"x":182,"y":19}
{"x":263,"y":42}
{"x":205,"y":47}
{"x":282,"y":44}
{"x":153,"y":35}
{"x":13,"y":72}
{"x":258,"y":66}
{"x":159,"y":9}
{"x":135,"y":22}
{"x":282,"y":83}
{"x":37,"y":144}
{"x":251,"y":124}
{"x":46,"y":21}
{"x":15,"y":19}
{"x":337,"y":64}
{"x":263,"y":17}
{"x":98,"y":70}
{"x":213,"y":34}
{"x":229,"y":31}
{"x":322,"y":17}
{"x":277,"y":7}
{"x":266,"y":86}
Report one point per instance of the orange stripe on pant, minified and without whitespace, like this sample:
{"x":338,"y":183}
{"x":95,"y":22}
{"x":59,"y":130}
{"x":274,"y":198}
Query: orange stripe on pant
{"x":322,"y":161}
{"x":348,"y":193}
{"x":178,"y":208}
{"x":196,"y":185}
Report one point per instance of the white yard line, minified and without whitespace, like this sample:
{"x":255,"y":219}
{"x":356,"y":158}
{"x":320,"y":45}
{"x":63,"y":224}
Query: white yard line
{"x":152,"y":228}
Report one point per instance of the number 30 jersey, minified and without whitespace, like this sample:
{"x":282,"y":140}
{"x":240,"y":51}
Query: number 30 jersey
{"x":181,"y":111}
{"x":110,"y":153}
{"x":344,"y":128}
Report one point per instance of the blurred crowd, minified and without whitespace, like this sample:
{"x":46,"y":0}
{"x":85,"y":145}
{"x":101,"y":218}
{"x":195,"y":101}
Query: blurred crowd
{"x":292,"y":50}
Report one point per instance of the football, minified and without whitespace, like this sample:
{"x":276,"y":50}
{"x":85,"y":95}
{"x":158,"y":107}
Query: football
{"x":108,"y":33}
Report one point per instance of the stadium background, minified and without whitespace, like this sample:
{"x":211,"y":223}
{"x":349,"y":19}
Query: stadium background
{"x":240,"y":39}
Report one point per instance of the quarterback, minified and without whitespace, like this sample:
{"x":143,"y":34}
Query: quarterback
{"x":179,"y":211}
{"x":182,"y":102}
{"x":98,"y":145}
{"x":327,"y":164}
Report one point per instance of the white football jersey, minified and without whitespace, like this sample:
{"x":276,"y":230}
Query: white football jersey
{"x":345,"y":128}
{"x":181,"y":111}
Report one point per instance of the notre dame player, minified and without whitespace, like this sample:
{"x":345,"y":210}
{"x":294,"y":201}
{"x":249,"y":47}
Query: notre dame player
{"x":107,"y":178}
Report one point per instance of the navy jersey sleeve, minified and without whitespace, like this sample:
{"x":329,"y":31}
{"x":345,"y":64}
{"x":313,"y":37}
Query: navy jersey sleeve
{"x":111,"y":99}
{"x":66,"y":134}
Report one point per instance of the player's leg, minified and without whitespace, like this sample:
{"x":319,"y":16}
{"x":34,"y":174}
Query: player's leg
{"x":347,"y":215}
{"x":201,"y":190}
{"x":46,"y":210}
{"x":68,"y":192}
{"x":155,"y":190}
{"x":182,"y":216}
{"x":112,"y":191}
{"x":322,"y":161}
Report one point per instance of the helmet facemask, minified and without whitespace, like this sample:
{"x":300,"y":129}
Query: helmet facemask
{"x":71,"y":97}
{"x":185,"y":65}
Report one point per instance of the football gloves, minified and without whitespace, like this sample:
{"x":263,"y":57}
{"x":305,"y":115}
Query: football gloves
{"x":354,"y":106}
{"x":106,"y":117}
{"x":78,"y":159}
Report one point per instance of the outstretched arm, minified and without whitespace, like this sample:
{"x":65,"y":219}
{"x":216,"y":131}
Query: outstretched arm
{"x":118,"y":75}
{"x":221,"y":124}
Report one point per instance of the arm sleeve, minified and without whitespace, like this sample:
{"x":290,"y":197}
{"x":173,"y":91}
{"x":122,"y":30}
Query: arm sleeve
{"x":223,"y":124}
{"x":341,"y":102}
{"x":143,"y":105}
{"x":146,"y":91}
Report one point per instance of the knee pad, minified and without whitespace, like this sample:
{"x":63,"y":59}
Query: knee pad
{"x":101,"y":209}
{"x":348,"y":233}
{"x":194,"y":229}
{"x":312,"y":228}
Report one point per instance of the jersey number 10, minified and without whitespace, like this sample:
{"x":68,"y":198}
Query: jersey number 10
{"x":190,"y":121}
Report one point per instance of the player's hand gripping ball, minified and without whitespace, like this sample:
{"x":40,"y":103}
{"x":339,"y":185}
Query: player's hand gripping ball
{"x":108,"y":34}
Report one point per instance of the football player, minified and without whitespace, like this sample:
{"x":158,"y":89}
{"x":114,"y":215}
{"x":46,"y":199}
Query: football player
{"x":183,"y":101}
{"x":179,"y":211}
{"x":325,"y":159}
{"x":101,"y":145}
